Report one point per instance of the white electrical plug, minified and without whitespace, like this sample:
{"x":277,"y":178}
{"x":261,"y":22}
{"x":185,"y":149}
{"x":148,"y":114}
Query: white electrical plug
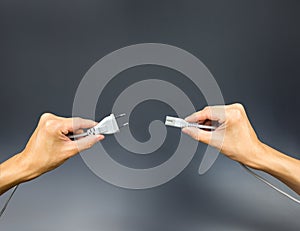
{"x":106,"y":126}
{"x":181,"y":123}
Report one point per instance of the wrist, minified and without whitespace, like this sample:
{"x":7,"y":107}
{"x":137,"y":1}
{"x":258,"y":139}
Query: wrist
{"x":259,"y":157}
{"x":266,"y":159}
{"x":27,"y":171}
{"x":13,"y":172}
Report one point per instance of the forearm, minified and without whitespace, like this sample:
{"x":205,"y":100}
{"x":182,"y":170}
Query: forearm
{"x":13,"y":172}
{"x":48,"y":148}
{"x":236,"y":139}
{"x":279,"y":165}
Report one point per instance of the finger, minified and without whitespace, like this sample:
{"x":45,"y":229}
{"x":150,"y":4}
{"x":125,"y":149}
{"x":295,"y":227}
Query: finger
{"x":80,"y":131}
{"x":198,"y":134}
{"x":87,"y":142}
{"x":216,"y":113}
{"x":74,"y":124}
{"x":198,"y":116}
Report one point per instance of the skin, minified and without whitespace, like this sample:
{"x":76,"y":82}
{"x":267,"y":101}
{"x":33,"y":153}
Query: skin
{"x":236,"y":138}
{"x":48,"y":148}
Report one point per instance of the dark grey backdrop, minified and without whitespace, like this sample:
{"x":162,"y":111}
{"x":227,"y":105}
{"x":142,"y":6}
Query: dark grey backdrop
{"x":251,"y":47}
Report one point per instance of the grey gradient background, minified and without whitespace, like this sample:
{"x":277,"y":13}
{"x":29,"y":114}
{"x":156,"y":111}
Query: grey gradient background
{"x":251,"y":47}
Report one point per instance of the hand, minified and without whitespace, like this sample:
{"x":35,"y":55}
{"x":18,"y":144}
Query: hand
{"x":49,"y":146}
{"x":234,"y":137}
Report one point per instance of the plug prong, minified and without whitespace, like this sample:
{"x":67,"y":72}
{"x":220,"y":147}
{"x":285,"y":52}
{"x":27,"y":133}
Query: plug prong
{"x":124,"y":125}
{"x":121,"y":115}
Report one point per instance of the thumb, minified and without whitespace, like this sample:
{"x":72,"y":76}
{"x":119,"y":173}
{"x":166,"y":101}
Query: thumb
{"x":198,"y":134}
{"x":87,"y":142}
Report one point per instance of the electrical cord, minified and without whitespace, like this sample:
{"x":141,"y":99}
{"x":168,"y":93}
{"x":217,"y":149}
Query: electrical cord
{"x":181,"y":123}
{"x":269,"y":184}
{"x":107,"y":125}
{"x":243,"y":166}
{"x":8,"y":200}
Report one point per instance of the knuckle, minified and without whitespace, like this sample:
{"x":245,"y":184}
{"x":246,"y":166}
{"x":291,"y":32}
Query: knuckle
{"x":73,"y":150}
{"x":76,"y":121}
{"x":207,"y":108}
{"x":88,"y":145}
{"x":237,"y":114}
{"x":239,"y":106}
{"x":45,"y":116}
{"x":198,"y":137}
{"x":49,"y":123}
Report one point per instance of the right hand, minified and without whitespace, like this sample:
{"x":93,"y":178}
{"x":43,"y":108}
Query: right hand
{"x":49,"y":145}
{"x":235,"y":136}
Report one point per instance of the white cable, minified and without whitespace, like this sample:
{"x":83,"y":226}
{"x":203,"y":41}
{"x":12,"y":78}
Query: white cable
{"x":78,"y":135}
{"x":181,"y":123}
{"x":6,"y":203}
{"x":269,"y":184}
{"x":108,"y":125}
